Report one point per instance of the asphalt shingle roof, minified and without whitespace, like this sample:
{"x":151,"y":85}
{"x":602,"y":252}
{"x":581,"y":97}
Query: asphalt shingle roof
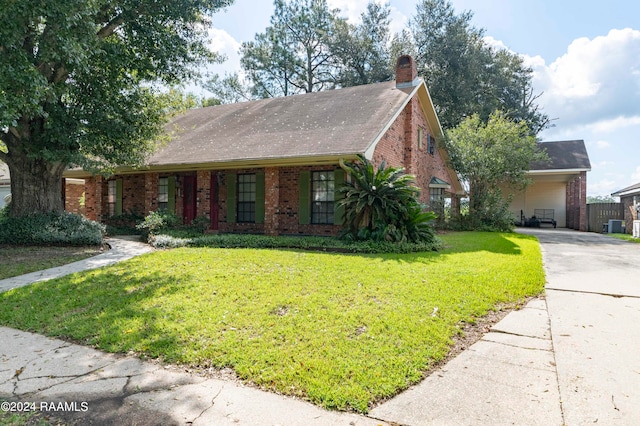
{"x":336,"y":122}
{"x":564,"y":155}
{"x":630,"y":190}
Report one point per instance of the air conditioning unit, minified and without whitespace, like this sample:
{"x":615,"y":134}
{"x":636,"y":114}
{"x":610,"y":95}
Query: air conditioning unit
{"x":615,"y":226}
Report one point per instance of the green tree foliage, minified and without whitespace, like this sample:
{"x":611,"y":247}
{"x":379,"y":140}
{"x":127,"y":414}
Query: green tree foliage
{"x":490,"y":156}
{"x":362,"y":50}
{"x":293,"y":54}
{"x":466,"y":76}
{"x":595,"y":199}
{"x":76,"y":84}
{"x":307,"y":48}
{"x":383,"y":205}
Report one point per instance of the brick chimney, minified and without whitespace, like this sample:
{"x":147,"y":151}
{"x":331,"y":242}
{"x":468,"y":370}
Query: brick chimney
{"x":406,"y":72}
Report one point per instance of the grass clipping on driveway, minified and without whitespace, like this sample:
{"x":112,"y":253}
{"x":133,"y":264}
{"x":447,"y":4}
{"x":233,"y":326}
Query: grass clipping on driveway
{"x":340,"y":330}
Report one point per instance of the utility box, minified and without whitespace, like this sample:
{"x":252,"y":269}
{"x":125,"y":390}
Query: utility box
{"x":636,"y":229}
{"x":615,"y":226}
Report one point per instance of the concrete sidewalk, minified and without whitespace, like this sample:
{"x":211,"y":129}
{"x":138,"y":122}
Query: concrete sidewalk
{"x":120,"y":249}
{"x":570,"y":358}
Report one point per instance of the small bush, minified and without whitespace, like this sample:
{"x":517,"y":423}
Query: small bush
{"x":50,"y":229}
{"x":156,"y":222}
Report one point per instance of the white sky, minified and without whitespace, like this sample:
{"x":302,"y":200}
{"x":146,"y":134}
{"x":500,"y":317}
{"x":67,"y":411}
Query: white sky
{"x":585,"y":54}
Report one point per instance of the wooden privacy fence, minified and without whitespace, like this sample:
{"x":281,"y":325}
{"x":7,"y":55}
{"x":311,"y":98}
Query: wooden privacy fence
{"x":600,"y":213}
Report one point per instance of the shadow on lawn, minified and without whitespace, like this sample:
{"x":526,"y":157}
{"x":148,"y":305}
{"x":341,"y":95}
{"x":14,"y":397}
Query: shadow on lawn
{"x":107,"y":308}
{"x":497,"y":243}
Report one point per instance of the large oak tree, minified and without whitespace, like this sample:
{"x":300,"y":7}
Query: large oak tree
{"x":77,"y":81}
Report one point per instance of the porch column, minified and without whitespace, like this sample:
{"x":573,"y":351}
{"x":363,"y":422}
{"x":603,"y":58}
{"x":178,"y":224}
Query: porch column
{"x":271,"y":201}
{"x":93,"y":197}
{"x":203,"y":185}
{"x":150,"y":192}
{"x":570,"y":205}
{"x":582,"y":202}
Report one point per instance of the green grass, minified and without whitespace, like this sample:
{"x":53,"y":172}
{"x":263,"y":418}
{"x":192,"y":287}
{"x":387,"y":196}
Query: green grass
{"x":341,"y":330}
{"x":625,"y":237}
{"x":18,"y":260}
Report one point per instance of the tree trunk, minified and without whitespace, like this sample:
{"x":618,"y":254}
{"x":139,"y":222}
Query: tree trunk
{"x":36,"y":185}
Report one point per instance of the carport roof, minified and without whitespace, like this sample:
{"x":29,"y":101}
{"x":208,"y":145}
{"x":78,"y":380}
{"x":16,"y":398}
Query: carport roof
{"x":564,"y":155}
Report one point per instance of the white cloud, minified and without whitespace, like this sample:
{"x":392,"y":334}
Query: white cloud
{"x":602,"y":187}
{"x":595,"y":82}
{"x":635,"y":177}
{"x":351,"y":9}
{"x":611,"y":125}
{"x":222,"y":42}
{"x":603,"y":144}
{"x":496,"y":44}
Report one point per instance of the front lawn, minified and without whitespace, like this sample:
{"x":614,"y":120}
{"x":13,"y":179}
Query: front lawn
{"x":18,"y":260}
{"x":341,"y":330}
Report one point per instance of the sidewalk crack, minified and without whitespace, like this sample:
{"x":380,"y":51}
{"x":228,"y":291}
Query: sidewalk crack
{"x":614,"y":295}
{"x":213,"y":402}
{"x":510,"y":333}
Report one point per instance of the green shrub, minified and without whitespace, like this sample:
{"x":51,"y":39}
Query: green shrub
{"x":156,"y":222}
{"x":179,"y":239}
{"x":50,"y":229}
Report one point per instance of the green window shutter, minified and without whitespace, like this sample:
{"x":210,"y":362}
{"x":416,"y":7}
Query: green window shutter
{"x":338,"y":211}
{"x":304,"y":206}
{"x":260,"y":197}
{"x":171,"y":205}
{"x":230,"y":180}
{"x":118,"y":196}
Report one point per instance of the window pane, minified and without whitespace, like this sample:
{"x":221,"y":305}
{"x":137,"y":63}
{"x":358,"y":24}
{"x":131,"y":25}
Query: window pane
{"x":246,"y":202}
{"x":322,"y":194}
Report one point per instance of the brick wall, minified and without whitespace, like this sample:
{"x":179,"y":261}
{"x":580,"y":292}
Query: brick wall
{"x":93,"y":198}
{"x":627,"y":204}
{"x":577,"y":203}
{"x":400,"y":147}
{"x":72,"y":196}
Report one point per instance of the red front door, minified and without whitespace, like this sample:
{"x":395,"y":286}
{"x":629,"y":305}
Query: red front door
{"x":214,"y":201}
{"x":188,"y":199}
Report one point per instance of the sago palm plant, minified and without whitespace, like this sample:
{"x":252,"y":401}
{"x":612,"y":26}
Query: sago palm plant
{"x":383,"y":204}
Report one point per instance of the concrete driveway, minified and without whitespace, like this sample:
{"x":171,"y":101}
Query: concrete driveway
{"x":593,"y":300}
{"x":572,"y":358}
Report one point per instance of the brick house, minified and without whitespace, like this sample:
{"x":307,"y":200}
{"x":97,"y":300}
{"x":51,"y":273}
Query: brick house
{"x":272,"y":166}
{"x":559,"y":186}
{"x":630,"y":199}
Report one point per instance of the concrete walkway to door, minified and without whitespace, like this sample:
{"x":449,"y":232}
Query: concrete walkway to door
{"x":593,"y":300}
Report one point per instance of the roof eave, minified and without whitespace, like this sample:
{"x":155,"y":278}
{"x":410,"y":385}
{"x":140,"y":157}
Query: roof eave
{"x":558,"y":171}
{"x":331,"y":159}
